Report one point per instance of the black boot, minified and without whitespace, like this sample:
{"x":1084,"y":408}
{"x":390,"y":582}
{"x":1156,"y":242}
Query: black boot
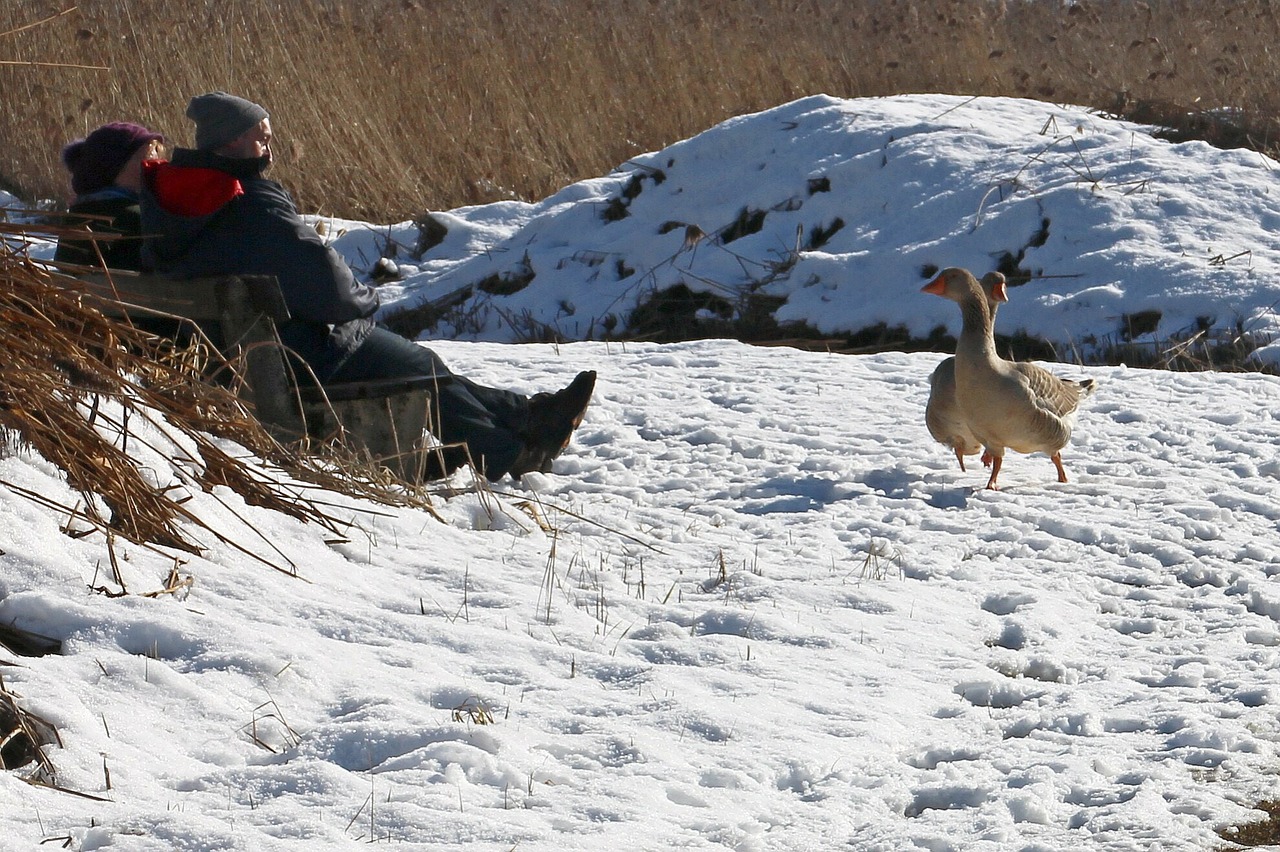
{"x":552,"y":419}
{"x":443,"y":461}
{"x":529,"y":460}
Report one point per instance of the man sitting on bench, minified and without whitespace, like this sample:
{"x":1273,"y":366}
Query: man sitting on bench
{"x":210,"y":211}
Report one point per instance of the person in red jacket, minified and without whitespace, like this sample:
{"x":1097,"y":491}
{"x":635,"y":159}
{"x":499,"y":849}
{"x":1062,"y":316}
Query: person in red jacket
{"x":210,"y":211}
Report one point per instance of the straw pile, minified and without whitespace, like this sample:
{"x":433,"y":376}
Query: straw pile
{"x":87,"y":392}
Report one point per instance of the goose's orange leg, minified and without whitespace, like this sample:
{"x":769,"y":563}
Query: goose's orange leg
{"x":996,"y":461}
{"x":1057,"y":462}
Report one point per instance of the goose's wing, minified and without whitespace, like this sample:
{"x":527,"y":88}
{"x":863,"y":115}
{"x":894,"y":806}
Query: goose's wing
{"x":1057,"y":396}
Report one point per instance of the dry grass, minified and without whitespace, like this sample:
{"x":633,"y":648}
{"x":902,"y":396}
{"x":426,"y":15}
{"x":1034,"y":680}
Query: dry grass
{"x":387,"y":108}
{"x":23,"y":735}
{"x":1258,"y":833}
{"x":88,"y":393}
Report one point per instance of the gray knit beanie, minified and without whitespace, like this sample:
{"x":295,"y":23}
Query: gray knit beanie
{"x":220,"y":118}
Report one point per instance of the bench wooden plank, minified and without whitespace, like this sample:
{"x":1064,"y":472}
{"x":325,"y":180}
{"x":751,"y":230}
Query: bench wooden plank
{"x":249,"y":332}
{"x":374,"y":388}
{"x":199,"y":299}
{"x":386,"y":419}
{"x":387,"y":429}
{"x":246,"y":309}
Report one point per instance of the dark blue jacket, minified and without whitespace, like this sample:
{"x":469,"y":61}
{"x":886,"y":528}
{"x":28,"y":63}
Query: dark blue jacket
{"x":121,"y":206}
{"x":203,"y":214}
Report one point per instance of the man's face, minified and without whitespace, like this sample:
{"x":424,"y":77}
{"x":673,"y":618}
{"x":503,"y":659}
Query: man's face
{"x":252,"y":144}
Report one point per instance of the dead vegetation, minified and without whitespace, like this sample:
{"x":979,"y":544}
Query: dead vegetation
{"x":386,"y":108}
{"x":1258,"y":833}
{"x":23,"y":735}
{"x":90,"y":394}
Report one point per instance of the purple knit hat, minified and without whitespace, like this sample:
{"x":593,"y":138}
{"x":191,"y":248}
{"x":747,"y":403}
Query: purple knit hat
{"x":96,"y":160}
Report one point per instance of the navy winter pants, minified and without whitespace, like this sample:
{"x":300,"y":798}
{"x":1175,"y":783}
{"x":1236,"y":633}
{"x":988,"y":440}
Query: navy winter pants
{"x":488,"y":420}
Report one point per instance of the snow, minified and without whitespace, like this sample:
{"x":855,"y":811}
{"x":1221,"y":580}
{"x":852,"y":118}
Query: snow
{"x":755,"y":606}
{"x":1108,"y":220}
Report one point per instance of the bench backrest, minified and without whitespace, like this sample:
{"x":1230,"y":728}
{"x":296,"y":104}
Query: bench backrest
{"x":385,"y":418}
{"x":199,"y":299}
{"x":240,"y":312}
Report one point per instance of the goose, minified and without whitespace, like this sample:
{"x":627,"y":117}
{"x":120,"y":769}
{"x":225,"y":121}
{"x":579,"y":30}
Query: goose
{"x":1007,"y":405}
{"x":942,"y":412}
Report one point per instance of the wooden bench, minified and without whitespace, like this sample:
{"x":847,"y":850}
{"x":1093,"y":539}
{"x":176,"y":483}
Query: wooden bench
{"x":387,"y":419}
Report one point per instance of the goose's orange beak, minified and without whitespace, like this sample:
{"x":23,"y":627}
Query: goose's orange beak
{"x":937,"y":287}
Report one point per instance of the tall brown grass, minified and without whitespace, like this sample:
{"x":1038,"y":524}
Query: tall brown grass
{"x":387,"y":108}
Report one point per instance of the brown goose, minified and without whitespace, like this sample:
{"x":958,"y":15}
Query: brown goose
{"x":1007,"y":405}
{"x":942,"y":412}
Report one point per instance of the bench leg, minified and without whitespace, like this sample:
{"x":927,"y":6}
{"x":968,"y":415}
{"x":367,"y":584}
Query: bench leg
{"x":389,"y":429}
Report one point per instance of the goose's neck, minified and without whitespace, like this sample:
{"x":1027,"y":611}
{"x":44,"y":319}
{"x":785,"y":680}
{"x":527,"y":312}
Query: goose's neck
{"x":977,"y":335}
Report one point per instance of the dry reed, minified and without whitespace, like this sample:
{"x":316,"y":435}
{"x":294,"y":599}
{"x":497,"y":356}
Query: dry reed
{"x":387,"y":108}
{"x":86,"y":392}
{"x":23,"y":735}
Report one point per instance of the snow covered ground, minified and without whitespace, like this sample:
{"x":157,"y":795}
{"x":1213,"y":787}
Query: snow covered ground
{"x":857,"y":203}
{"x":755,"y":607}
